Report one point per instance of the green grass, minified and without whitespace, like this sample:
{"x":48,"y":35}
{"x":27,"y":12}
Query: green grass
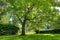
{"x":32,"y":37}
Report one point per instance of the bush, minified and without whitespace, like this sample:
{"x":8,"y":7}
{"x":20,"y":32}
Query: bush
{"x":8,"y":29}
{"x":55,"y":31}
{"x":37,"y":31}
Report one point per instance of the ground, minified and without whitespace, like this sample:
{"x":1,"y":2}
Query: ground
{"x":32,"y":37}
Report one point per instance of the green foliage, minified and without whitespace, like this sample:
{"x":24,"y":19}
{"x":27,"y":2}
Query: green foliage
{"x":57,"y":22}
{"x":8,"y":29}
{"x":54,"y":31}
{"x":32,"y":13}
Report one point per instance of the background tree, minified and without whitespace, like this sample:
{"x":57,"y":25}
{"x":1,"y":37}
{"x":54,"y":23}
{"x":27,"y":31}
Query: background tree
{"x":2,"y":7}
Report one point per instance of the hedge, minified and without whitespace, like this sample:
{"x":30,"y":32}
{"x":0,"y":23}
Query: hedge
{"x":54,"y":31}
{"x":8,"y":29}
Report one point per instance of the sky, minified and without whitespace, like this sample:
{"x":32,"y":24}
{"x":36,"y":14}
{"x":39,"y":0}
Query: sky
{"x":58,"y":9}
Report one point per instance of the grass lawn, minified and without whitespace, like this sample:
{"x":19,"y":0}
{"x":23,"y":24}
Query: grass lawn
{"x":32,"y":37}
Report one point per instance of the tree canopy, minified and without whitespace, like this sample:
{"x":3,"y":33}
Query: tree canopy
{"x":33,"y":13}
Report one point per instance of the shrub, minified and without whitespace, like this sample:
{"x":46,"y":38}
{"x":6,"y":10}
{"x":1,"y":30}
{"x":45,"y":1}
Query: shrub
{"x":37,"y":31}
{"x":8,"y":29}
{"x":54,"y":31}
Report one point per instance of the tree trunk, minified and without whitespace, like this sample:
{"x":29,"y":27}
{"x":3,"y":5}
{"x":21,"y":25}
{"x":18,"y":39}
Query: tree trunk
{"x":23,"y":27}
{"x":0,"y":16}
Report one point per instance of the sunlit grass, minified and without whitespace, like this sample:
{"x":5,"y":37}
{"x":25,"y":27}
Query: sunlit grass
{"x":49,"y":34}
{"x":32,"y":37}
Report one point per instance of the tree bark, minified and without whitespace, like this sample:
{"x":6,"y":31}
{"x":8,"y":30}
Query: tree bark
{"x":23,"y":27}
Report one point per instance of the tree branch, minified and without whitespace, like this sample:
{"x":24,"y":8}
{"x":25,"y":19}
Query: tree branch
{"x":31,"y":19}
{"x":28,"y":10}
{"x":19,"y":18}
